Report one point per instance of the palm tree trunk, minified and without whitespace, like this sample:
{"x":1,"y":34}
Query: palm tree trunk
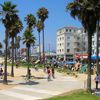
{"x":98,"y":67}
{"x":28,"y":49}
{"x":39,"y":48}
{"x":15,"y":49}
{"x":5,"y":67}
{"x":15,"y":54}
{"x":89,"y":62}
{"x":43,"y":48}
{"x":12,"y":67}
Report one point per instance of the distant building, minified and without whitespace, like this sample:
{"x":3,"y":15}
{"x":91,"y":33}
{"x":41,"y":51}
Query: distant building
{"x":71,"y":41}
{"x":94,"y":44}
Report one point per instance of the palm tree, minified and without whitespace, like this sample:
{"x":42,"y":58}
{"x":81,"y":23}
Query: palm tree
{"x":15,"y":28}
{"x":39,"y":28}
{"x":31,"y":21}
{"x":0,"y":45}
{"x":85,"y":12}
{"x":17,"y":45}
{"x":42,"y":14}
{"x":17,"y":39}
{"x":29,"y":40}
{"x":8,"y":9}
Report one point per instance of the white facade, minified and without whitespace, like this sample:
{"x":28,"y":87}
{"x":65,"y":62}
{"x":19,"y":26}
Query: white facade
{"x":71,"y":41}
{"x":94,"y":44}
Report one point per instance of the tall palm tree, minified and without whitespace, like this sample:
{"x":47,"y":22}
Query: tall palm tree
{"x":40,"y":27}
{"x":17,"y":39}
{"x":0,"y":45}
{"x":16,"y":27}
{"x":31,"y":21}
{"x":29,"y":40}
{"x":8,"y":9}
{"x":42,"y":14}
{"x":85,"y":12}
{"x":17,"y":45}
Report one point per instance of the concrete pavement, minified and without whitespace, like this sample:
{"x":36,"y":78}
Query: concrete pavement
{"x":40,"y":88}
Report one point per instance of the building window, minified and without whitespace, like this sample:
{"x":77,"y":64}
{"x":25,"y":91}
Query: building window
{"x":68,"y":44}
{"x":78,"y":44}
{"x":92,"y":51}
{"x":66,"y":30}
{"x":78,"y":38}
{"x":68,"y":50}
{"x":68,"y":37}
{"x":69,"y":30}
{"x":93,"y":42}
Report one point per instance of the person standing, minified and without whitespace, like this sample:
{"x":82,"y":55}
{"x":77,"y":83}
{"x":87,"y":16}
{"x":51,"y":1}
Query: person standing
{"x":53,"y":72}
{"x":49,"y":74}
{"x":1,"y":73}
{"x":97,"y":80}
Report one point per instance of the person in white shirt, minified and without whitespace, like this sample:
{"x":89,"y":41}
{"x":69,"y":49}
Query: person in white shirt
{"x":97,"y":80}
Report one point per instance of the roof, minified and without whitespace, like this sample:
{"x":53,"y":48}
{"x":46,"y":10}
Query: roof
{"x":68,"y":27}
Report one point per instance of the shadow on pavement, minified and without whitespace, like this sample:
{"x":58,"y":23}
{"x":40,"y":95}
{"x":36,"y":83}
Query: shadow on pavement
{"x":1,"y":81}
{"x":29,"y":83}
{"x":40,"y":77}
{"x":34,"y":77}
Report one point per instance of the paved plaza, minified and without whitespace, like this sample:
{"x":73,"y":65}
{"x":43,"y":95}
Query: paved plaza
{"x":39,"y":87}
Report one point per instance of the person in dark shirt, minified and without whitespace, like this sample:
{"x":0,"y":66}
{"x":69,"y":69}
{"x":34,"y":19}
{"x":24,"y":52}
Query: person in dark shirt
{"x":53,"y":72}
{"x":1,"y":72}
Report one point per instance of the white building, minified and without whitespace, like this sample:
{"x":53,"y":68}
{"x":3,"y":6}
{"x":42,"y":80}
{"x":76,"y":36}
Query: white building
{"x":94,"y":44}
{"x":71,"y":41}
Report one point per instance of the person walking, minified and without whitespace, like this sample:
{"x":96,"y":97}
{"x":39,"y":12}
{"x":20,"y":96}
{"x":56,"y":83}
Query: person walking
{"x":97,"y":80}
{"x":1,"y":73}
{"x":49,"y":74}
{"x":53,"y":72}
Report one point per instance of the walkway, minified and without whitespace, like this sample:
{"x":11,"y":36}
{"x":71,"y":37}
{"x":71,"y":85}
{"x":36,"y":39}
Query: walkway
{"x":40,"y":88}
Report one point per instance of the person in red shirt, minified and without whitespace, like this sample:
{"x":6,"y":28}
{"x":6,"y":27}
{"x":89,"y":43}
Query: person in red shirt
{"x":49,"y":73}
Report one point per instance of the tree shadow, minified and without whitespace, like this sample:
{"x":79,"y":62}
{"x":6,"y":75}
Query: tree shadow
{"x":39,"y":77}
{"x":34,"y":77}
{"x":29,"y":83}
{"x":9,"y":81}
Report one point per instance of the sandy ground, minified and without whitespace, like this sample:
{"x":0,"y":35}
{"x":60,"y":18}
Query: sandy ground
{"x":19,"y":72}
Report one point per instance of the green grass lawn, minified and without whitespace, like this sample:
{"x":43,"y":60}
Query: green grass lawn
{"x":76,"y":95}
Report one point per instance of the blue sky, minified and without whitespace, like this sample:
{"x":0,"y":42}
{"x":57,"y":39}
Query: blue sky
{"x":58,"y":18}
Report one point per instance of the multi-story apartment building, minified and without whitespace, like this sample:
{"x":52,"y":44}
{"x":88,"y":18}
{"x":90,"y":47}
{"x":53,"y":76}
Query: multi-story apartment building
{"x":94,"y":44}
{"x":71,"y":41}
